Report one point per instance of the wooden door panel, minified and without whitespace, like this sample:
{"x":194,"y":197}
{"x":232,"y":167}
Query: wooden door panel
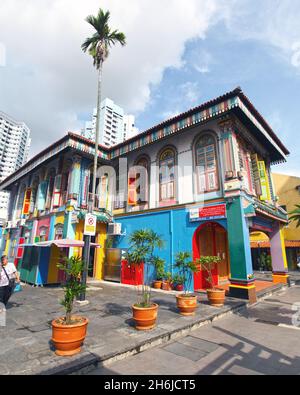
{"x":222,"y":252}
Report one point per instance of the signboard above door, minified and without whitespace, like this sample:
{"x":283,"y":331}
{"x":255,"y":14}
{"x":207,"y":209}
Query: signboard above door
{"x":208,"y":213}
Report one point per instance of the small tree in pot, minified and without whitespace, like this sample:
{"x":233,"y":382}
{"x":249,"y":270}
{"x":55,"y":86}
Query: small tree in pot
{"x":178,"y":282}
{"x":69,"y":332}
{"x":186,"y":302}
{"x":215,"y":296}
{"x":159,"y":265}
{"x":141,"y":251}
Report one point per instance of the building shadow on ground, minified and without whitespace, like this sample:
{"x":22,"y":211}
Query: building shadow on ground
{"x":259,"y":360}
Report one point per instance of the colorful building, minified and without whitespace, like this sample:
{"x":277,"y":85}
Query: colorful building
{"x":288,"y":191}
{"x":202,"y":180}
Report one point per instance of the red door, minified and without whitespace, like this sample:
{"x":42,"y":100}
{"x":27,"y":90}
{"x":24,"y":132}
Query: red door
{"x":210,"y":239}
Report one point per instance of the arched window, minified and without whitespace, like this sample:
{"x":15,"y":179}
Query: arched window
{"x":138,"y":183}
{"x":34,"y":188}
{"x":167,"y":176}
{"x":51,"y":179}
{"x":59,"y":231}
{"x":207,"y":164}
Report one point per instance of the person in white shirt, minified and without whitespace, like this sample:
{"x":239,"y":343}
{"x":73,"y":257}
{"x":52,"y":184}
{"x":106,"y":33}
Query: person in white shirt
{"x":8,"y":276}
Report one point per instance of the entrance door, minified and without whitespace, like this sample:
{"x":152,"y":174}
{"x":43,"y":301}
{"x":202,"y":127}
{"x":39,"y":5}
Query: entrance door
{"x":222,"y":252}
{"x":211,"y":239}
{"x":92,"y":259}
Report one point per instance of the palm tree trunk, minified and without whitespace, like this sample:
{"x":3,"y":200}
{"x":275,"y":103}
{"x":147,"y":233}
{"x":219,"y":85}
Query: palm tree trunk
{"x":97,"y":134}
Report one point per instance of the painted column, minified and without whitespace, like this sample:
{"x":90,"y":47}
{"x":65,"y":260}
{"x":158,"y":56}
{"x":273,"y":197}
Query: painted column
{"x":74,"y":186}
{"x":278,"y":253}
{"x":242,"y":283}
{"x":69,"y":228}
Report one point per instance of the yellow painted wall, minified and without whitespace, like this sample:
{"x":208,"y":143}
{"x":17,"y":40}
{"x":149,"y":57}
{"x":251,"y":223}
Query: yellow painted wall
{"x":258,"y":236}
{"x":53,"y":269}
{"x":79,"y":236}
{"x":100,"y":252}
{"x":285,"y":189}
{"x":60,"y":218}
{"x":101,"y":237}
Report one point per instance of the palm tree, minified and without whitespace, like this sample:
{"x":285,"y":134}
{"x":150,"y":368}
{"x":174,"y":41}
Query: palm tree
{"x":295,"y":215}
{"x":98,"y":47}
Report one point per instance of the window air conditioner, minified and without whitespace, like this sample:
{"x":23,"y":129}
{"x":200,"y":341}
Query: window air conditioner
{"x":114,"y":229}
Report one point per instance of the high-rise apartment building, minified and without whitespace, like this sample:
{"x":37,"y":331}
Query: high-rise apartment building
{"x":129,"y":127}
{"x":14,"y":149}
{"x":115,"y":127}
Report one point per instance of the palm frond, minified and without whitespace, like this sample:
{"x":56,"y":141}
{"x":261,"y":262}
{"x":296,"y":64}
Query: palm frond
{"x":98,"y":45}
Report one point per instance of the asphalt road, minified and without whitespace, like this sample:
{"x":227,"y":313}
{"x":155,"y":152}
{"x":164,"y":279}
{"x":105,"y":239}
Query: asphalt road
{"x":265,"y":339}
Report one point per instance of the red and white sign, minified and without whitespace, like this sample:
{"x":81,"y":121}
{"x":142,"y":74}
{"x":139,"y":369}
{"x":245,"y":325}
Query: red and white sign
{"x":208,"y":213}
{"x":90,"y":225}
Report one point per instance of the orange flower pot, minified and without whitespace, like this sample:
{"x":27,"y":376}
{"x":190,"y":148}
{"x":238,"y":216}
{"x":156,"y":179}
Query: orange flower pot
{"x":145,"y":317}
{"x":187,"y":304}
{"x":157,"y":284}
{"x":166,"y":286}
{"x":216,"y":297}
{"x":68,"y":339}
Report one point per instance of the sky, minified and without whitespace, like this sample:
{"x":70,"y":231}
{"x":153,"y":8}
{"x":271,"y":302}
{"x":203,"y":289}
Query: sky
{"x":179,"y":54}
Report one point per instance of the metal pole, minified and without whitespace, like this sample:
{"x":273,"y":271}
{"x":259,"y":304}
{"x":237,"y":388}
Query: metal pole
{"x":86,"y":259}
{"x":87,"y":239}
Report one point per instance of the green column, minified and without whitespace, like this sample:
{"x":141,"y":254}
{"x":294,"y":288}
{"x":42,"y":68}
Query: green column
{"x":241,"y":280}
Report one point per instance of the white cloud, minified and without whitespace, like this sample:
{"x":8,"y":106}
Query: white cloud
{"x":49,"y":80}
{"x":273,"y":22}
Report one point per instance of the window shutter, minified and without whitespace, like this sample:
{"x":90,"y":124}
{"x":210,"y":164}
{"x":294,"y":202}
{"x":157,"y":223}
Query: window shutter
{"x":42,"y":192}
{"x":132,"y":194}
{"x":264,"y":181}
{"x":103,"y":192}
{"x":57,"y":191}
{"x":27,"y":200}
{"x":256,"y":176}
{"x":211,"y":181}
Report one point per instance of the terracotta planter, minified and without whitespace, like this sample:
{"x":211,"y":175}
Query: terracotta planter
{"x":157,"y":284}
{"x":187,"y":304}
{"x":166,"y":286}
{"x":68,"y":339}
{"x":145,"y":317}
{"x":216,"y":297}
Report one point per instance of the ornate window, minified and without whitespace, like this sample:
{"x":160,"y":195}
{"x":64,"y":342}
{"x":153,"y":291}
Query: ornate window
{"x":167,"y":176}
{"x":138,"y":183}
{"x":59,"y":231}
{"x":245,"y":168}
{"x":207,"y":164}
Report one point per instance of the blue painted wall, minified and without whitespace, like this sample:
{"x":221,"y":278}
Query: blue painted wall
{"x":173,"y":226}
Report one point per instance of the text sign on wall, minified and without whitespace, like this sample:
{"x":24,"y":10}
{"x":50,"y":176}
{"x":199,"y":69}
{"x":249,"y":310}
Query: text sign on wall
{"x":90,"y":225}
{"x":208,"y":213}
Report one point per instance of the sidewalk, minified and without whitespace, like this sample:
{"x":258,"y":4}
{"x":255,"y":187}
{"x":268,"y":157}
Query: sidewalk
{"x":25,"y":346}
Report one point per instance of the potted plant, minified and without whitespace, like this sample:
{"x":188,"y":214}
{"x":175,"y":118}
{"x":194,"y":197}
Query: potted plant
{"x":186,"y":302}
{"x":167,"y":282}
{"x":178,"y":283}
{"x":215,"y":296}
{"x":159,"y":265}
{"x":141,"y":251}
{"x":69,"y":332}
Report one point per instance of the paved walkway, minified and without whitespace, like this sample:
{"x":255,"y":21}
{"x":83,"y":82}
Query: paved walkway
{"x":260,"y":340}
{"x":25,"y":346}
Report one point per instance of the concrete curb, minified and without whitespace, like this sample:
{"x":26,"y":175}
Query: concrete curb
{"x":88,"y":361}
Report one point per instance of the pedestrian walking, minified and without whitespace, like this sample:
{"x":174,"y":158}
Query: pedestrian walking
{"x":8,"y":279}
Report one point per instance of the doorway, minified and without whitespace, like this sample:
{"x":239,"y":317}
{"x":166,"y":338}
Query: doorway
{"x":211,"y":239}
